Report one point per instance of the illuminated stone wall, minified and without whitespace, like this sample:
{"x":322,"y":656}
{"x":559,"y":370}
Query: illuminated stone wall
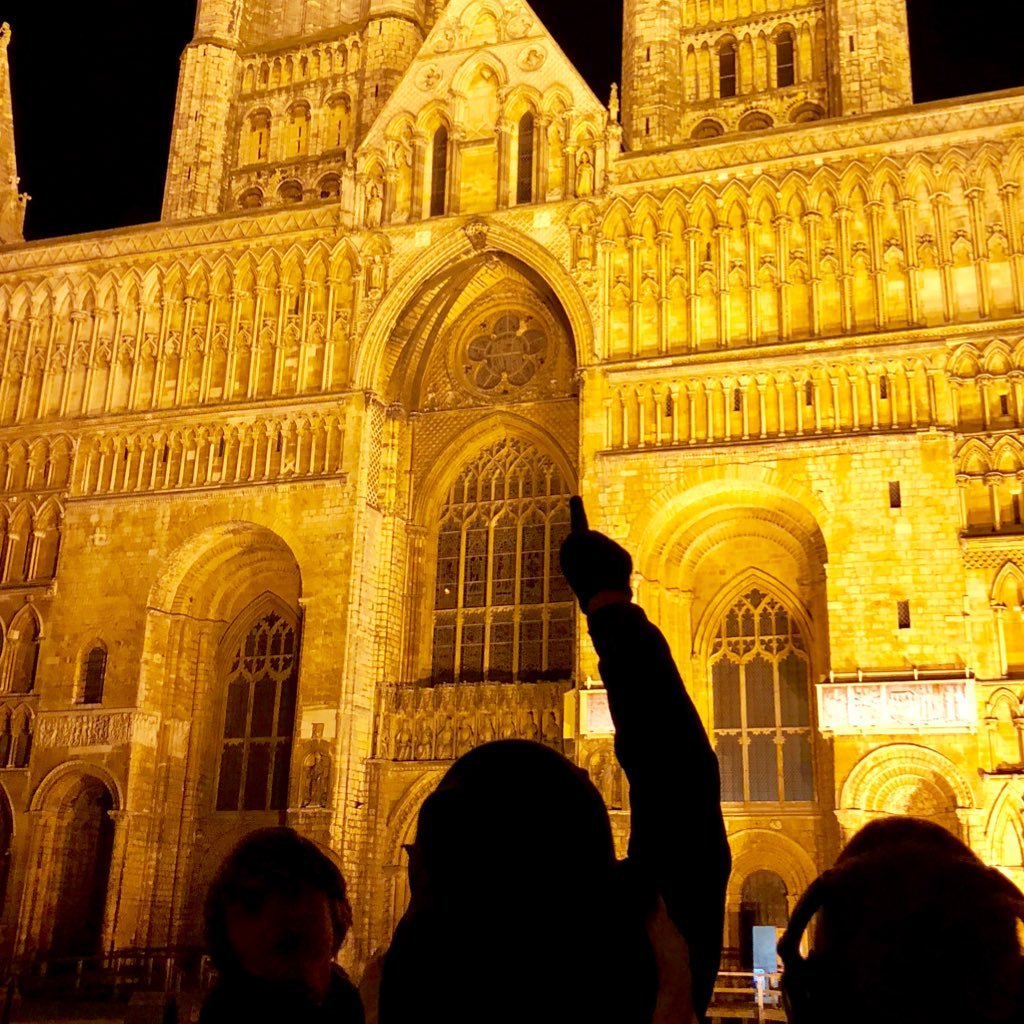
{"x":785,"y":369}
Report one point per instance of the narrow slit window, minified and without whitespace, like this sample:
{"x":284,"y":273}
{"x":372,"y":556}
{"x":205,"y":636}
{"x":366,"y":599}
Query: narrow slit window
{"x":883,"y":388}
{"x":737,"y":400}
{"x":524,"y":185}
{"x":895,"y":494}
{"x":903,"y":614}
{"x":808,"y":394}
{"x":1004,"y":405}
{"x":1015,"y":509}
{"x":439,"y":174}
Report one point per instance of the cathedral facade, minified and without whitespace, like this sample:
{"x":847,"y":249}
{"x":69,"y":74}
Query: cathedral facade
{"x":284,"y":475}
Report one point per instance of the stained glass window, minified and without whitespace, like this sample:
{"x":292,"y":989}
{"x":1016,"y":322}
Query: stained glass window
{"x":760,"y":673}
{"x":259,"y":718}
{"x":502,"y":610}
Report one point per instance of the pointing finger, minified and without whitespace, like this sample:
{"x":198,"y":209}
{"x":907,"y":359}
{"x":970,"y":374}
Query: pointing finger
{"x":578,"y":515}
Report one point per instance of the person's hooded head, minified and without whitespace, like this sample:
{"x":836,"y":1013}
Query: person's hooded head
{"x":517,"y":899}
{"x":911,"y":926}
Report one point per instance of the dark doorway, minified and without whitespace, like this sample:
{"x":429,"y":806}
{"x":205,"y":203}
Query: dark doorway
{"x":84,"y":844}
{"x":763,"y":901}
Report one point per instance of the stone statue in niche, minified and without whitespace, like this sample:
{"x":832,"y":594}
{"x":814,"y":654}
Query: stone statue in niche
{"x":552,"y":733}
{"x":425,"y":743}
{"x":531,"y":731}
{"x":613,"y":103}
{"x":316,"y":771}
{"x":445,"y":741}
{"x":508,"y":727}
{"x":487,"y":730}
{"x":465,"y":737}
{"x":374,"y":207}
{"x":585,"y":174}
{"x":586,"y":247}
{"x":376,"y":274}
{"x":403,"y":746}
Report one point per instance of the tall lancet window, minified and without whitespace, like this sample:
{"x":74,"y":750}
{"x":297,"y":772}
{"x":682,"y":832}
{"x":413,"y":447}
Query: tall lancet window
{"x":760,"y":673}
{"x":262,"y":684}
{"x":727,"y":70}
{"x":524,"y":182}
{"x":785,"y":62}
{"x":502,"y":609}
{"x":439,"y":174}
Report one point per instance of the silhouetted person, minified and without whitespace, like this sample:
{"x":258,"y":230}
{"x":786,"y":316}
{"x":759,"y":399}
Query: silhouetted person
{"x":276,"y":916}
{"x":520,"y":911}
{"x":911,"y":928}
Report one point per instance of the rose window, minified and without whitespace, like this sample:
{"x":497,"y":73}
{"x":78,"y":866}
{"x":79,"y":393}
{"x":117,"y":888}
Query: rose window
{"x":508,"y":356}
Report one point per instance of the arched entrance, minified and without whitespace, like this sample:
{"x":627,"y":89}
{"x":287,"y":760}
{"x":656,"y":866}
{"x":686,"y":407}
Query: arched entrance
{"x":764,"y":902}
{"x":74,"y":848}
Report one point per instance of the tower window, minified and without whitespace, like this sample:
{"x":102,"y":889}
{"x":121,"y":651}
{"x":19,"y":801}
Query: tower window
{"x":94,"y":672}
{"x":727,"y":70}
{"x":895,"y":494}
{"x":903,"y":614}
{"x":883,"y":388}
{"x":1015,"y":509}
{"x":785,"y":62}
{"x":1004,"y":405}
{"x":648,"y":55}
{"x":808,"y":393}
{"x":524,"y":182}
{"x":737,"y":400}
{"x":760,"y":673}
{"x":439,"y":174}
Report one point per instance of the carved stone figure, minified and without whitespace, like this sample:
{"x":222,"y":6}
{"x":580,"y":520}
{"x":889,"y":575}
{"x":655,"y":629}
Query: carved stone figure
{"x":465,"y":737}
{"x":374,"y":207}
{"x":425,"y":743}
{"x":585,"y":175}
{"x":552,"y":733}
{"x":403,"y":750}
{"x":445,"y":750}
{"x":316,"y":779}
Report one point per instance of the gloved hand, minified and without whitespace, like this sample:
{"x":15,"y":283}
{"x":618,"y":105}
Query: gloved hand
{"x":593,"y":563}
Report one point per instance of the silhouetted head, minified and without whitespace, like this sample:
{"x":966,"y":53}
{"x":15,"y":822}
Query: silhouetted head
{"x":912,"y":926}
{"x":506,"y":818}
{"x":276,"y":909}
{"x":519,"y":910}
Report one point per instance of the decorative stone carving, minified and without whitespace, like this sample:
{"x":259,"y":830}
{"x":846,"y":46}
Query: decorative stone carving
{"x":88,"y":729}
{"x":476,"y":232}
{"x":897,"y":706}
{"x":316,"y":771}
{"x":441,"y":723}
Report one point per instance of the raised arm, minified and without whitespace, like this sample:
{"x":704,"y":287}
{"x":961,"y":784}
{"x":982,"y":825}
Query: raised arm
{"x":678,"y":834}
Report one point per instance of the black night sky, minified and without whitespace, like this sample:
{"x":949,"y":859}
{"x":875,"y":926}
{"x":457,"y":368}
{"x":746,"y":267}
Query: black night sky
{"x":94,"y":88}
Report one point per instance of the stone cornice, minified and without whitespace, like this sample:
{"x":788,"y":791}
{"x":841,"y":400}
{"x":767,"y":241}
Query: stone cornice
{"x":814,"y":144}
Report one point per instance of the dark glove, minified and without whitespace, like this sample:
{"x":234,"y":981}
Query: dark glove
{"x":591,"y":562}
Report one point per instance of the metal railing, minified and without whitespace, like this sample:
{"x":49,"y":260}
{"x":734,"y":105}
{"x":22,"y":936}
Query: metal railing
{"x":111,"y":977}
{"x":749,"y":995}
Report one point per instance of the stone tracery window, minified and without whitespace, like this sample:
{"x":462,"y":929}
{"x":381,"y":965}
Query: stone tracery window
{"x":259,"y":718}
{"x":507,"y":354}
{"x":502,"y":610}
{"x":760,"y":672}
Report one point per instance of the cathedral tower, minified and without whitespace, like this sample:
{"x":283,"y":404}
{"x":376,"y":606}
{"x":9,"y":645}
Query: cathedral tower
{"x":869,"y":57}
{"x":698,"y":69}
{"x":275,"y":96}
{"x":12,"y":203}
